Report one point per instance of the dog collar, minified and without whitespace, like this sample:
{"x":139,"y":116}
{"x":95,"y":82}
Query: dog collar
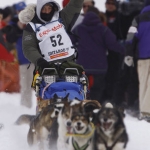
{"x":83,"y":135}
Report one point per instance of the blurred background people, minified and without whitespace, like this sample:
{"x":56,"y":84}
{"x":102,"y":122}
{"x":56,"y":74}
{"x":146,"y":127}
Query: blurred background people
{"x":138,"y":47}
{"x":121,"y":81}
{"x":92,"y":44}
{"x":86,"y":5}
{"x":14,"y":36}
{"x":9,"y":76}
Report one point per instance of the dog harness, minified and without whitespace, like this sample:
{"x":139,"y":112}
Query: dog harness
{"x":54,"y":41}
{"x":114,"y":143}
{"x":76,"y":146}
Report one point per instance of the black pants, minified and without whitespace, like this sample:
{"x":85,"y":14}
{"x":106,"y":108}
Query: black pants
{"x":126,"y":88}
{"x":97,"y":89}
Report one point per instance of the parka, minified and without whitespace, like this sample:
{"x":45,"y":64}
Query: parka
{"x":29,"y":41}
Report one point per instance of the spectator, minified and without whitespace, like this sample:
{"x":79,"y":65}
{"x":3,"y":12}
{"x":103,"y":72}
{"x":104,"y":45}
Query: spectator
{"x":139,"y":35}
{"x":9,"y":75}
{"x":7,"y":16}
{"x":14,"y":35}
{"x":5,"y":55}
{"x":86,"y":5}
{"x":118,"y":78}
{"x":93,"y":42}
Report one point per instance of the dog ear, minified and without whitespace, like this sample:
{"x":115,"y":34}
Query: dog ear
{"x":121,"y":111}
{"x":66,"y":98}
{"x":55,"y":96}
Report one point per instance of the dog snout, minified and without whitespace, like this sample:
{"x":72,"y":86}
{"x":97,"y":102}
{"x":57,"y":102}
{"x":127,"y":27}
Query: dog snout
{"x":105,"y":119}
{"x":78,"y":123}
{"x":69,"y":123}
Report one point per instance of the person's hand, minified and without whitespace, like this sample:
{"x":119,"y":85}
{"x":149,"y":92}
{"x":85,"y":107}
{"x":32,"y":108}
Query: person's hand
{"x":128,"y":60}
{"x":20,"y":25}
{"x":42,"y":63}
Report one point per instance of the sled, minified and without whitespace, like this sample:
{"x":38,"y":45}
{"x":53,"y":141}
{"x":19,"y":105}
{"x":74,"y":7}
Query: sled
{"x":60,"y":79}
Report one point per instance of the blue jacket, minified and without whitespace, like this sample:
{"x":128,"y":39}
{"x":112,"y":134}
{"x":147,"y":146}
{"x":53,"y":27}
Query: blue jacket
{"x":22,"y":60}
{"x":138,"y":38}
{"x":143,"y":34}
{"x":93,"y":42}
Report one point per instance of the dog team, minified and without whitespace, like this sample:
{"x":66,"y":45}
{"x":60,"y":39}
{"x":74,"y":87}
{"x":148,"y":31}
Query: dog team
{"x":76,"y":125}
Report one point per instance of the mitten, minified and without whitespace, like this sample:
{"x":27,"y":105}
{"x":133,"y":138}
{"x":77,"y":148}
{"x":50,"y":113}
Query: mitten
{"x":129,"y":61}
{"x":42,"y":63}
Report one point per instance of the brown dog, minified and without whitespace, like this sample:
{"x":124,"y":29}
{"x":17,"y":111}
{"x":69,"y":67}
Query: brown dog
{"x":40,"y":124}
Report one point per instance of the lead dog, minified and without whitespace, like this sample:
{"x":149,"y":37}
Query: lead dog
{"x":110,"y":133}
{"x":66,"y":120}
{"x":65,"y":123}
{"x":83,"y":130}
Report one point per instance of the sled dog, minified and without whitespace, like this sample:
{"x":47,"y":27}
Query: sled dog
{"x":82,"y":132}
{"x":66,"y":121}
{"x":110,"y":132}
{"x":40,"y":125}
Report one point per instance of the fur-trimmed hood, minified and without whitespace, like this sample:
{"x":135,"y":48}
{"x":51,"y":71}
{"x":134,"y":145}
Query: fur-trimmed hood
{"x":26,"y":15}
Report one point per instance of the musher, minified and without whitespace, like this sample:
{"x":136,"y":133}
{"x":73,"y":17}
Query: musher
{"x":45,"y":38}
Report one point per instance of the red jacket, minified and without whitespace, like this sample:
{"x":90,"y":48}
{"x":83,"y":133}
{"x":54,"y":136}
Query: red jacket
{"x":5,"y":55}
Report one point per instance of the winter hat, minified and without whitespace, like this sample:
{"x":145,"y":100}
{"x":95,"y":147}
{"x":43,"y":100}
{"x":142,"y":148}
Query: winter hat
{"x":147,"y":2}
{"x":53,"y":5}
{"x":20,"y":6}
{"x":65,"y":2}
{"x":48,"y":16}
{"x":92,"y":1}
{"x":1,"y":11}
{"x":94,"y":10}
{"x":41,"y":3}
{"x":111,"y":1}
{"x":6,"y":12}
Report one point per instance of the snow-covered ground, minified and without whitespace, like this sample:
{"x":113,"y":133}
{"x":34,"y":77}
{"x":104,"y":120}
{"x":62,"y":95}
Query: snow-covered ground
{"x":14,"y":137}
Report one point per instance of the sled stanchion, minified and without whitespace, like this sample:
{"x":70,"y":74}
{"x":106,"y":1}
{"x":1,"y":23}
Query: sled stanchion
{"x":37,"y":85}
{"x":83,"y":80}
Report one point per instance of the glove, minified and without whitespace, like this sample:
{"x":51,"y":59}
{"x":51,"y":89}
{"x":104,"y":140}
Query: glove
{"x":42,"y":63}
{"x":128,"y":60}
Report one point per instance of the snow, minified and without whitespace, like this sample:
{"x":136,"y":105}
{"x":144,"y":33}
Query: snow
{"x":13,"y":137}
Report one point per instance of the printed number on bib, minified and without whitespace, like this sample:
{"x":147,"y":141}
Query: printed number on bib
{"x":56,"y":40}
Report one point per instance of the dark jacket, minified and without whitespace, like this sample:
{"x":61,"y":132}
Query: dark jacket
{"x":30,"y":42}
{"x":14,"y":35}
{"x":93,"y":42}
{"x":119,"y":23}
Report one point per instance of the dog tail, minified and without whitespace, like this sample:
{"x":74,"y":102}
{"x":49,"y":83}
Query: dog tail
{"x":24,"y":119}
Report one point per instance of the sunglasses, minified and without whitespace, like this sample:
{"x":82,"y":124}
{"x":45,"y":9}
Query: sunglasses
{"x":85,"y":6}
{"x":110,"y":3}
